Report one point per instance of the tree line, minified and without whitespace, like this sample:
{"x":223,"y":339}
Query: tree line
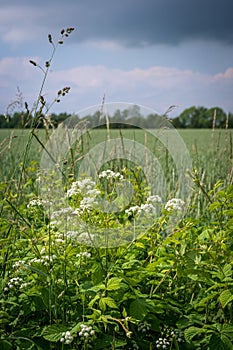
{"x":193,"y":117}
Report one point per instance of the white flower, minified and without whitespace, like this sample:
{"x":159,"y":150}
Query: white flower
{"x":154,"y":199}
{"x":132,"y":210}
{"x":83,"y":254}
{"x":109,"y":174}
{"x":67,"y":338}
{"x":86,"y":331}
{"x":146,"y":208}
{"x":174,"y":204}
{"x":36,"y":203}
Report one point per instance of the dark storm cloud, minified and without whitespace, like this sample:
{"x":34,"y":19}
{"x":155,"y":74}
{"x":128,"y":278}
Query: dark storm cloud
{"x":140,"y":22}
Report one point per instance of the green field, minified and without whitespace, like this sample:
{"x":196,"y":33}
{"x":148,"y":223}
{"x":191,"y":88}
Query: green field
{"x":110,"y":264}
{"x":211,"y":152}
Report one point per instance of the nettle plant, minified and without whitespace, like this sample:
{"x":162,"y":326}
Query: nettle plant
{"x":91,"y":274}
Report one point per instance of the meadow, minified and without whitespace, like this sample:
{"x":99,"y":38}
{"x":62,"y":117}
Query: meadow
{"x":83,"y":276}
{"x":114,"y":239}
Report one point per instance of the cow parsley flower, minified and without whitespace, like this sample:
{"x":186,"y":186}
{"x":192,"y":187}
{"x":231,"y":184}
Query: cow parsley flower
{"x":109,"y":174}
{"x":174,"y":204}
{"x":83,"y":254}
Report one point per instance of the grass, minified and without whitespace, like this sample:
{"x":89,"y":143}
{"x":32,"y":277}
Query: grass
{"x":105,"y":263}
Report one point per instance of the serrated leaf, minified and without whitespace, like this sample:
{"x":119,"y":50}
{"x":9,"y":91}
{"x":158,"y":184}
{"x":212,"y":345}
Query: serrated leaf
{"x":218,"y":342}
{"x":227,"y":270}
{"x":92,"y":302}
{"x":114,"y":283}
{"x":54,"y":332}
{"x":107,"y":301}
{"x":225,"y":297}
{"x":191,"y":332}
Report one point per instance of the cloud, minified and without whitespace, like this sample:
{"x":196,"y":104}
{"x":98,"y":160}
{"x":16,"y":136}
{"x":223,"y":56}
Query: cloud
{"x":157,"y":87}
{"x":128,"y":22}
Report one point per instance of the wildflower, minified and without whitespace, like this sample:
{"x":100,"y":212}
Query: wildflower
{"x":162,"y":343}
{"x":132,"y":210}
{"x":83,"y":187}
{"x":14,"y":282}
{"x":154,"y":199}
{"x":18,"y":264}
{"x":174,"y":204}
{"x":36,"y":203}
{"x":86,"y":331}
{"x":84,"y":255}
{"x":109,"y":174}
{"x":66,"y":338}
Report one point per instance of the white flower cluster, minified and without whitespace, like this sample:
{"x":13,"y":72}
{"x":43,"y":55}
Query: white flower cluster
{"x":36,"y":203}
{"x":45,"y":260}
{"x":154,"y":199}
{"x":14,"y":282}
{"x":109,"y":174}
{"x":18,"y":264}
{"x":162,"y":343}
{"x":85,"y":187}
{"x":86,"y":331}
{"x":146,"y":208}
{"x":174,"y":204}
{"x":144,"y":327}
{"x":168,"y":334}
{"x":83,"y":255}
{"x":66,"y":338}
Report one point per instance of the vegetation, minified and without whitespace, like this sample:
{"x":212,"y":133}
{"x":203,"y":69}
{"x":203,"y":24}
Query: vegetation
{"x":101,"y":261}
{"x":191,"y":118}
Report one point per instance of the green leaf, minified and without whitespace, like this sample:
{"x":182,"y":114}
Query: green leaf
{"x":139,"y":308}
{"x":107,"y":301}
{"x":227,"y":270}
{"x":54,"y":332}
{"x":114,"y":283}
{"x":225,"y":297}
{"x":5,"y":345}
{"x":220,"y":342}
{"x":191,"y":332}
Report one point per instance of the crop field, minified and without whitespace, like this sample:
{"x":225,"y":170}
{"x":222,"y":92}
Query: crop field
{"x":136,"y":256}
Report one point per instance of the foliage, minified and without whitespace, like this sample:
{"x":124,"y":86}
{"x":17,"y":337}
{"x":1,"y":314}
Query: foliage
{"x":58,"y":292}
{"x":167,"y":287}
{"x":193,"y":117}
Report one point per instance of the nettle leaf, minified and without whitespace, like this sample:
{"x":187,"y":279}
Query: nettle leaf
{"x":227,"y":270}
{"x":114,"y":283}
{"x":191,"y":332}
{"x":225,"y":297}
{"x":140,"y":307}
{"x":54,"y":332}
{"x":220,"y":342}
{"x":107,"y":301}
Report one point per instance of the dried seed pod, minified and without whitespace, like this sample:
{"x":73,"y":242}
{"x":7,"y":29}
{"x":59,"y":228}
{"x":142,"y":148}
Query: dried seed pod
{"x":33,"y":62}
{"x":50,"y":38}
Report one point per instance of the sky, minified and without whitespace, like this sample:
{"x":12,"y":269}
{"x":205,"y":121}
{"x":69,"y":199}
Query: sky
{"x":154,"y":53}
